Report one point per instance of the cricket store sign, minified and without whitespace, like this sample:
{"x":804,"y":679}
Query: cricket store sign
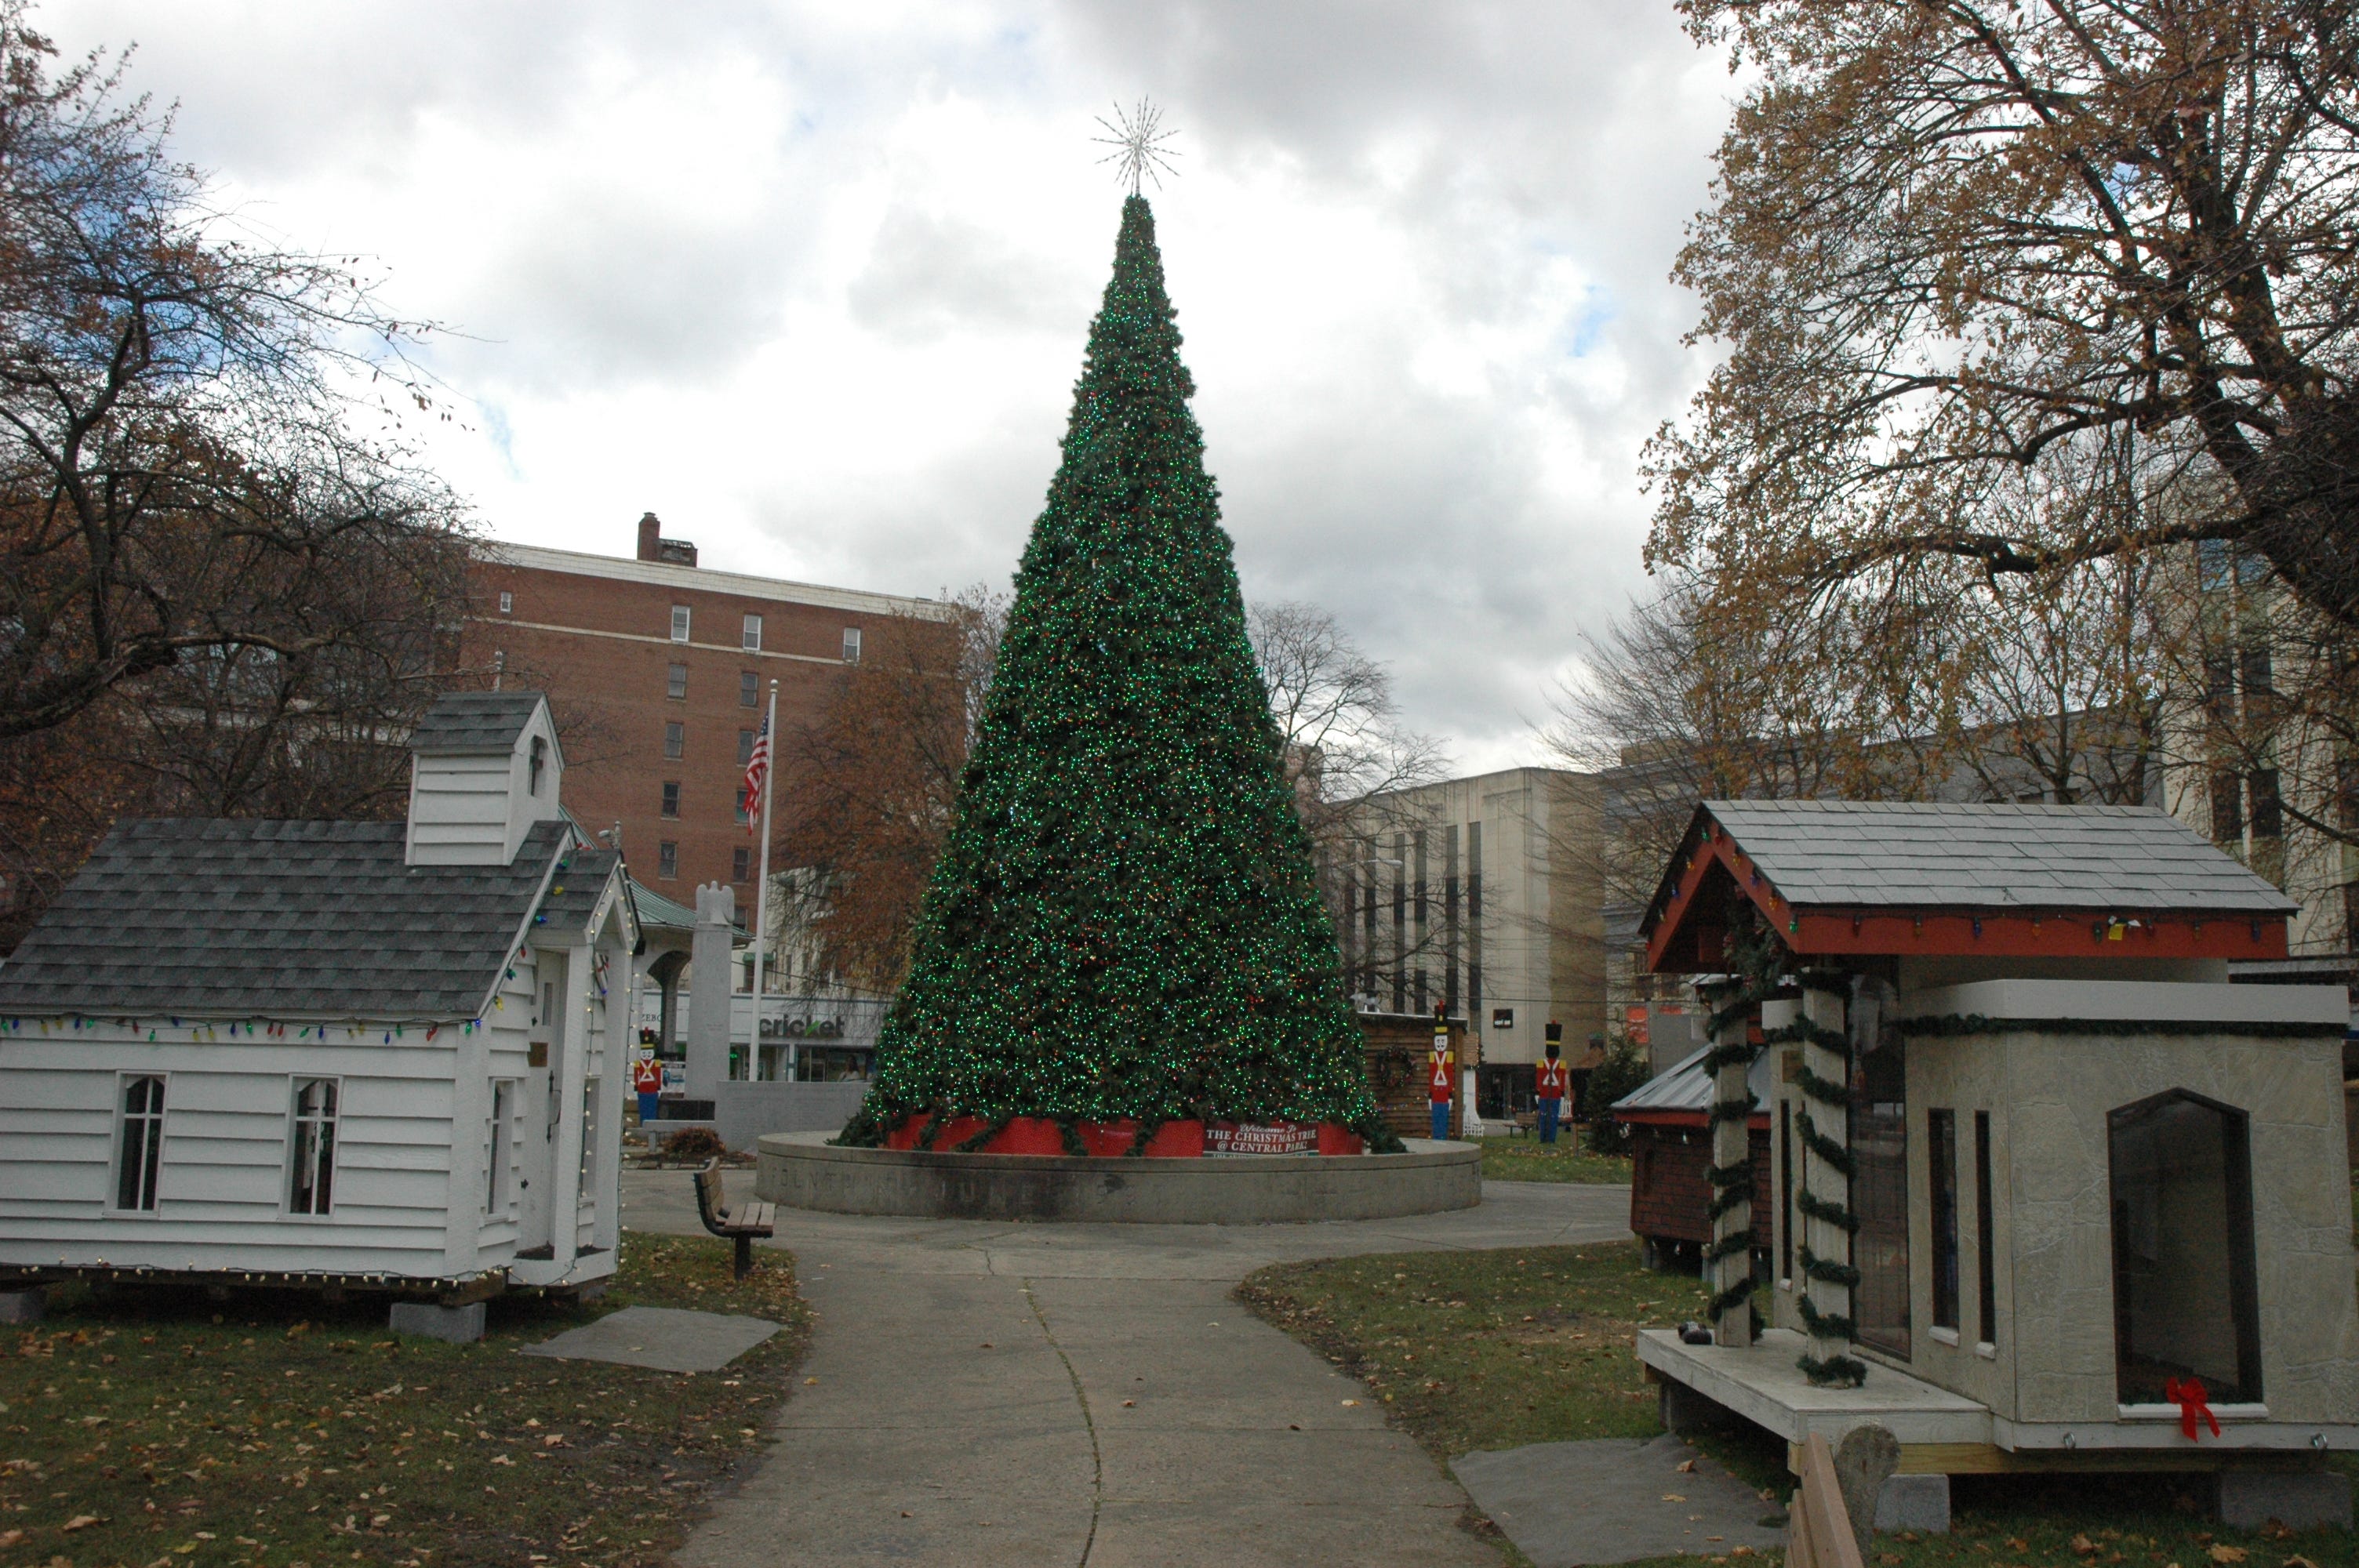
{"x":1257,"y":1138}
{"x":803,"y":1028}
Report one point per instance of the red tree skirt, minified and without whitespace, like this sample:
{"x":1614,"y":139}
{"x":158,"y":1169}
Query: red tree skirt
{"x":1172,"y":1140}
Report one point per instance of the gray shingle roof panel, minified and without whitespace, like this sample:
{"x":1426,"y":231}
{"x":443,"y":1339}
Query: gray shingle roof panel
{"x":257,"y":918}
{"x":468,"y":721}
{"x":1990,"y":855}
{"x":574,"y":892}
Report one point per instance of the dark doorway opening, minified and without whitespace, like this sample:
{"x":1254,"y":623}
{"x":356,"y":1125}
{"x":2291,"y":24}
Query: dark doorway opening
{"x":2184,"y":1298}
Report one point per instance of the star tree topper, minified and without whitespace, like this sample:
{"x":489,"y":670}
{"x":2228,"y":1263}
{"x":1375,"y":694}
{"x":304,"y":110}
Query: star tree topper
{"x":1137,"y":139}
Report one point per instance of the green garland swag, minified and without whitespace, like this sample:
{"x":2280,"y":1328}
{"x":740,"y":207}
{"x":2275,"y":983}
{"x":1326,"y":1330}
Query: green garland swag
{"x":1952,"y":1025}
{"x":1826,"y":1148}
{"x":1833,"y":1371}
{"x":1817,"y":1267}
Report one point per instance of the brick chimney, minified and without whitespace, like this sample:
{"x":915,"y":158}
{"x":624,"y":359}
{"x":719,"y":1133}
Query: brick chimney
{"x":654,"y":546}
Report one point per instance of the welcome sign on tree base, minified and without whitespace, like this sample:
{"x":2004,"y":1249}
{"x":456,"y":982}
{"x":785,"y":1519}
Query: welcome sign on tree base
{"x":1123,"y":950}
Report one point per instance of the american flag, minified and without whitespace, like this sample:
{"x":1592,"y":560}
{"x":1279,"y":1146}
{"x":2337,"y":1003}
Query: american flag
{"x":758,"y":768}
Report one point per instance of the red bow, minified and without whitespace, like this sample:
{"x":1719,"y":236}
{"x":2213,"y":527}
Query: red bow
{"x":2189,"y":1397}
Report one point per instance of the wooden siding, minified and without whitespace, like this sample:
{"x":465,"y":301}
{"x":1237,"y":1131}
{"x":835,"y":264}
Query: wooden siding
{"x":1670,"y":1190}
{"x":221,"y":1188}
{"x":459,"y":809}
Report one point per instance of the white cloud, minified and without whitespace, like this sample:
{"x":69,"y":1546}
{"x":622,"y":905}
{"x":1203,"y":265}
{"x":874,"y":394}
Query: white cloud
{"x":812,"y":282}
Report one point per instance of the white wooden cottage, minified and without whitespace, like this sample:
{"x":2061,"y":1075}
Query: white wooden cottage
{"x":345,"y":1054}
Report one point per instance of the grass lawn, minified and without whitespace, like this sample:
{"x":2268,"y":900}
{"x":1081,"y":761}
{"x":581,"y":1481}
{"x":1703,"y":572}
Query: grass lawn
{"x":157,"y":1427}
{"x":1480,"y":1350}
{"x":1529,"y":1160}
{"x":1473,"y":1350}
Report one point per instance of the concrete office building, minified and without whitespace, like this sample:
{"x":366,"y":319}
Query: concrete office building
{"x":1482,"y":894}
{"x":668,"y":666}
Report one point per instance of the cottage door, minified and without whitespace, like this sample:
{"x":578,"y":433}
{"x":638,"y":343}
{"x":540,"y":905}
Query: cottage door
{"x":537,"y":1138}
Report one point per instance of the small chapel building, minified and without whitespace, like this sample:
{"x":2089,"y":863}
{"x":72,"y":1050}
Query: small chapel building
{"x":2047,"y":1191}
{"x":381,"y":1055}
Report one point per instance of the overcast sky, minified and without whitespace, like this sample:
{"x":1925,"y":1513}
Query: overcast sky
{"x":811,"y":282}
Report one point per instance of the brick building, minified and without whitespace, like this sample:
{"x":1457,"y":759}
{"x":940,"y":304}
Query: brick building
{"x":663,"y":667}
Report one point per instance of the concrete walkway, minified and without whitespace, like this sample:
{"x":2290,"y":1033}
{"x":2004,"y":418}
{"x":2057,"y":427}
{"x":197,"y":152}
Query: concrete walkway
{"x":1089,"y":1396}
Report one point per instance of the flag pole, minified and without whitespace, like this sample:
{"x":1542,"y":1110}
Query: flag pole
{"x":762,"y":891}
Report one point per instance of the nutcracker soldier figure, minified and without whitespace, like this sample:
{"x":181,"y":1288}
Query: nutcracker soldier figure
{"x":1439,"y":1075}
{"x":1550,"y":1083}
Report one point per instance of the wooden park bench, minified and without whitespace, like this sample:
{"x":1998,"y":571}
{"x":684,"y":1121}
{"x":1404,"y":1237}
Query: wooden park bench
{"x":740,"y":1225}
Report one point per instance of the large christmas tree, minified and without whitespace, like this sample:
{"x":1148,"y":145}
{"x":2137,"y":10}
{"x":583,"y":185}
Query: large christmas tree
{"x":1123,"y":922}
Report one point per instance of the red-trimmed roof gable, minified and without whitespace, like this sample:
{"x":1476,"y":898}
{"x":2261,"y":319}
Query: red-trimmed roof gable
{"x":1869,"y":878}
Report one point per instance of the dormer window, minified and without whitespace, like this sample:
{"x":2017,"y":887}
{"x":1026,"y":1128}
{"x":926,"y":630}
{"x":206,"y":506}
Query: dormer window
{"x":539,"y":761}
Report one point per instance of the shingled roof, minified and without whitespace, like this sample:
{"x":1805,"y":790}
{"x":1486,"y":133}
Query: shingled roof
{"x":245,"y":918}
{"x":466,"y":721}
{"x":573,"y":892}
{"x":1867,"y":854}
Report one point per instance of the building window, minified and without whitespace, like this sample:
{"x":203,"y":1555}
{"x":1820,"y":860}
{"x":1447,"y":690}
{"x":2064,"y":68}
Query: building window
{"x":749,"y":689}
{"x":675,"y":740}
{"x":753,"y":644}
{"x":676,"y":682}
{"x":2254,"y":668}
{"x":2227,"y":808}
{"x":536,"y":764}
{"x":741,"y":864}
{"x":2184,"y":1299}
{"x":139,"y":1143}
{"x":852,"y":645}
{"x":1941,"y":1156}
{"x":666,"y":858}
{"x":671,"y":797}
{"x":508,"y":603}
{"x":2268,"y":805}
{"x":680,"y":622}
{"x":740,"y":802}
{"x":744,"y":748}
{"x":311,"y":1183}
{"x":499,"y":1151}
{"x":1985,"y":1232}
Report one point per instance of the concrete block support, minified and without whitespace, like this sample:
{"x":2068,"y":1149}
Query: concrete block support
{"x":23,"y":1306}
{"x":2298,"y":1499}
{"x":455,"y":1325}
{"x":1921,"y":1503}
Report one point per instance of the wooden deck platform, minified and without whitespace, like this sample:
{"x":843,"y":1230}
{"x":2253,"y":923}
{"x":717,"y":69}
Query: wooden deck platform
{"x":1945,"y":1433}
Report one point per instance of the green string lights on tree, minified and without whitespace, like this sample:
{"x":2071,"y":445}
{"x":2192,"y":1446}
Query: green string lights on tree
{"x":1123,"y":922}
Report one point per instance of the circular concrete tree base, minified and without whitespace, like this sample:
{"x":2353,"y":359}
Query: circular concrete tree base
{"x":802,"y":1170}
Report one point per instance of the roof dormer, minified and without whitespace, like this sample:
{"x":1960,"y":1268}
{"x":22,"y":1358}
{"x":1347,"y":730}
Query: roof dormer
{"x":484,"y":767}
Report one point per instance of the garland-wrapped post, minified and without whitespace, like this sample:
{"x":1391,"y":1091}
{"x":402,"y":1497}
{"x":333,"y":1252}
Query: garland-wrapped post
{"x":1729,"y":1260}
{"x":1829,"y":1223}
